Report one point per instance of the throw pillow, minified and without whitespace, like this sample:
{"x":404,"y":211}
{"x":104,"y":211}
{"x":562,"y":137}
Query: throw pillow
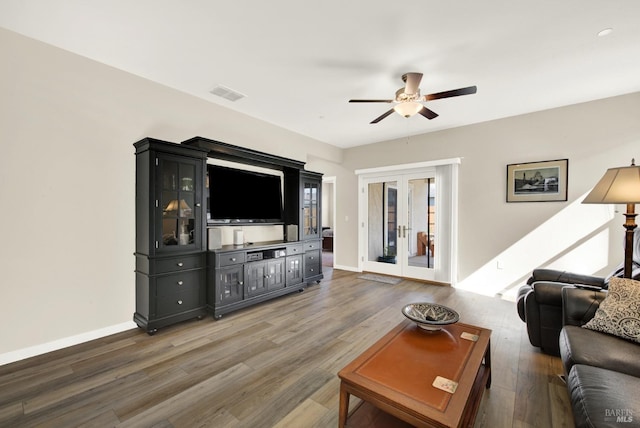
{"x":619,"y":312}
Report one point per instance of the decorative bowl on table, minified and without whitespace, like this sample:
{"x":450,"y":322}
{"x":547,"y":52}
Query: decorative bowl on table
{"x":430,"y":316}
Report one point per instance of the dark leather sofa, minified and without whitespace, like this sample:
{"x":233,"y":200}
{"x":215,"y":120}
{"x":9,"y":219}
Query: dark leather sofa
{"x":539,"y":301}
{"x":602,"y":371}
{"x":539,"y":304}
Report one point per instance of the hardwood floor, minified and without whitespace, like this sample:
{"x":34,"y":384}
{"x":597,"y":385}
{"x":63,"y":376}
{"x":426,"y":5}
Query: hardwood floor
{"x":273,"y":365}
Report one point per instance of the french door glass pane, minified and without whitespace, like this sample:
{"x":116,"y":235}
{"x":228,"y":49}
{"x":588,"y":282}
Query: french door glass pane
{"x":421,"y":222}
{"x":383,"y":221}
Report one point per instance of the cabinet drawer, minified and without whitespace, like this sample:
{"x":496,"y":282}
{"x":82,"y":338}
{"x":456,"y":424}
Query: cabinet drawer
{"x":311,"y":263}
{"x":178,"y":282}
{"x":229,"y":259}
{"x":292,"y":250}
{"x":178,"y":263}
{"x":311,"y":257}
{"x":311,"y":245}
{"x":176,"y":303}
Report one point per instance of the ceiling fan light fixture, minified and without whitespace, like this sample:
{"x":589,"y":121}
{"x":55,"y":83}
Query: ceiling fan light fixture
{"x":605,"y":32}
{"x":408,"y":99}
{"x":408,"y":109}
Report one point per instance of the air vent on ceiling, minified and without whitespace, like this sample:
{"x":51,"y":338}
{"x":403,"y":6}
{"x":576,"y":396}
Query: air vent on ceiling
{"x":229,"y":94}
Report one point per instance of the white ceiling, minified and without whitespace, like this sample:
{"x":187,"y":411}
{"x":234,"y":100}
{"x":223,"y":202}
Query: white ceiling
{"x":299,"y":62}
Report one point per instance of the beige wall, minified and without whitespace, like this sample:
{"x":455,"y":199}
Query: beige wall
{"x":521,"y":236}
{"x":67,"y":176}
{"x":67,"y":125}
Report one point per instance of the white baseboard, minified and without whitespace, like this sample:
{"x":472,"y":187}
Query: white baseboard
{"x":32,"y":351}
{"x":348,"y":268}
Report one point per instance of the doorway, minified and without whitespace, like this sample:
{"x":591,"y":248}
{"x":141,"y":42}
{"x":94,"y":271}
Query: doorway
{"x":408,"y":220}
{"x":328,"y":220}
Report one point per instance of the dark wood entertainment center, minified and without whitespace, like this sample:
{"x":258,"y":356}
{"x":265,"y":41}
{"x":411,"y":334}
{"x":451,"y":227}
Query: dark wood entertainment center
{"x":177,"y":278}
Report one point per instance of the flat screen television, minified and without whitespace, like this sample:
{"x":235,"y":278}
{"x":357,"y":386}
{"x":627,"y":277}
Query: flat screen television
{"x":239,"y":196}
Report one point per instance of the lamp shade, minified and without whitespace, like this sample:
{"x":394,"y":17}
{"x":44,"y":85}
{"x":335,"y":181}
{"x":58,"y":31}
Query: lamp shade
{"x":408,"y":108}
{"x":181,"y":206}
{"x":617,"y":186}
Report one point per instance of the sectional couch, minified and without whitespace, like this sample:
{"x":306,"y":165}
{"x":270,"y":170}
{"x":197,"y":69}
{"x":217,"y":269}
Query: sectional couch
{"x":600,"y":350}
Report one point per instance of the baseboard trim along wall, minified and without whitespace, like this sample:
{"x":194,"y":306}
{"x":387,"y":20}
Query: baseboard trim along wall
{"x":347,"y":268}
{"x":22,"y":354}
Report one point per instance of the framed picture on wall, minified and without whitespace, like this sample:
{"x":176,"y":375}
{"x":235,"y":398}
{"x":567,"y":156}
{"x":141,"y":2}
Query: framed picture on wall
{"x":537,"y":181}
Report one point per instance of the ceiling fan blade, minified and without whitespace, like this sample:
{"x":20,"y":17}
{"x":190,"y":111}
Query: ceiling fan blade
{"x":412,"y":83}
{"x":429,"y":114}
{"x":382,"y":116}
{"x":370,"y":101}
{"x":452,"y":93}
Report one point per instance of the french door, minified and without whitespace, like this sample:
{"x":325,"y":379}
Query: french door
{"x":407,"y":222}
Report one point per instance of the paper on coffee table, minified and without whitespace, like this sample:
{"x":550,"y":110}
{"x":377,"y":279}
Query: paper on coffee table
{"x":469,"y":336}
{"x":445,"y":384}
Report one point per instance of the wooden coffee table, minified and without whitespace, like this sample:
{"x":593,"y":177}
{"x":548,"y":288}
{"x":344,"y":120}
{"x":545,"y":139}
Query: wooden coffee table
{"x":395,"y":377}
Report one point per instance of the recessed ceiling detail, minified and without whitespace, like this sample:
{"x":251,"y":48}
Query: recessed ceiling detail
{"x":605,"y":32}
{"x":227,"y":93}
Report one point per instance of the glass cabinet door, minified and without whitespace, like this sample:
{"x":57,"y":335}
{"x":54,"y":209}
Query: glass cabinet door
{"x":310,"y":205}
{"x":178,"y":204}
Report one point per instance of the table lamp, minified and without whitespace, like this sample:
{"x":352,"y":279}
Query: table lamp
{"x":181,"y":206}
{"x":620,"y":186}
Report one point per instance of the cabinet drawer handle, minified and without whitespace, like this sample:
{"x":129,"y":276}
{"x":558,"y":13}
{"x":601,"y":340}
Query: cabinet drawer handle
{"x":311,"y":269}
{"x":233,"y":259}
{"x":180,"y":264}
{"x":240,"y":282}
{"x":180,"y":282}
{"x":179,"y":302}
{"x":311,"y":258}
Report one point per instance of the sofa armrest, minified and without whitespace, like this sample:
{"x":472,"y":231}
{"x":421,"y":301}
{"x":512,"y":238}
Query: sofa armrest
{"x":580,"y":305}
{"x":543,"y":314}
{"x":565,"y":277}
{"x":549,"y":292}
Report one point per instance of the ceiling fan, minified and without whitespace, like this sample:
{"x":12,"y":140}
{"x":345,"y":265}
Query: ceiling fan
{"x":409,"y":100}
